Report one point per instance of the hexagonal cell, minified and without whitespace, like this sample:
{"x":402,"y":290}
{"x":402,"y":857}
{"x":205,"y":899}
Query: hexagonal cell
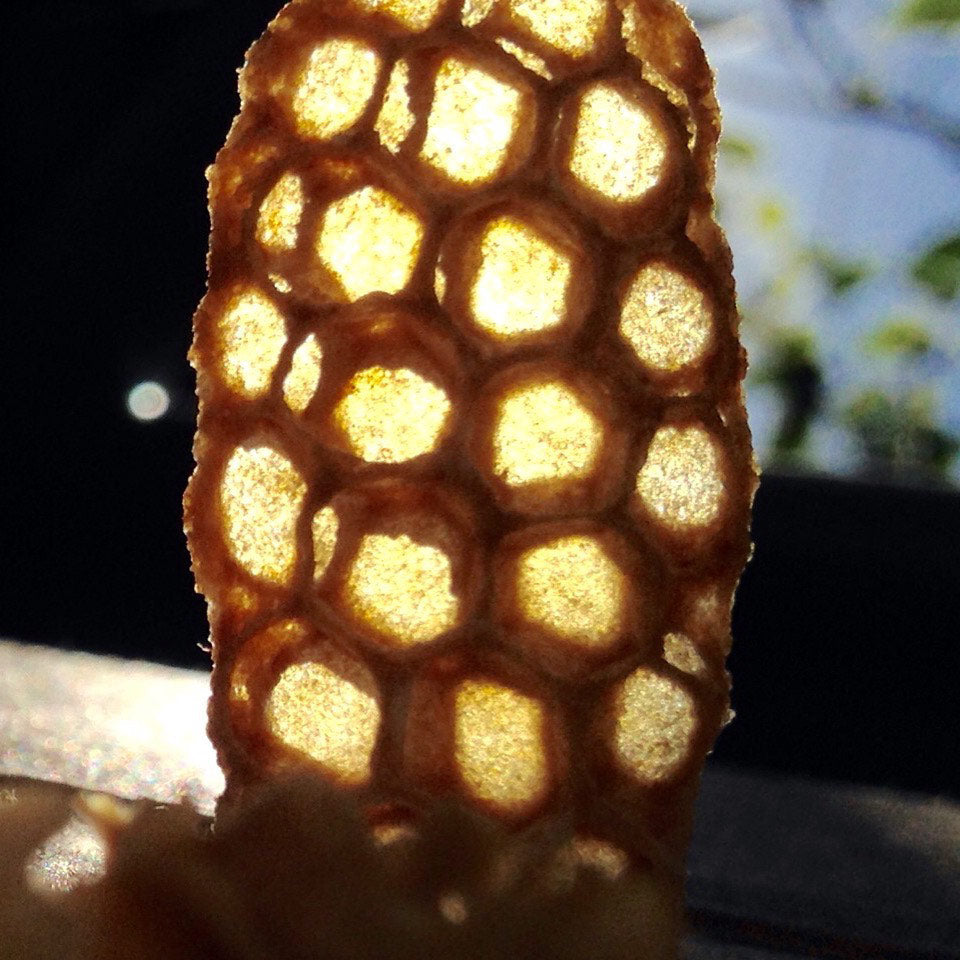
{"x":303,"y":377}
{"x":526,"y":58}
{"x":544,"y":445}
{"x":654,"y":723}
{"x":682,"y":483}
{"x":407,"y":574}
{"x":334,"y":87}
{"x":571,"y":587}
{"x":396,"y":119}
{"x":618,"y":149}
{"x":479,"y":126}
{"x":330,"y":715}
{"x":278,"y":219}
{"x":261,"y":493}
{"x":251,"y":334}
{"x":572,"y":27}
{"x":415,"y":15}
{"x":521,"y":284}
{"x":390,"y":415}
{"x":499,"y":746}
{"x":369,"y":240}
{"x":402,"y":588}
{"x":681,"y":652}
{"x":620,"y":157}
{"x":666,"y":317}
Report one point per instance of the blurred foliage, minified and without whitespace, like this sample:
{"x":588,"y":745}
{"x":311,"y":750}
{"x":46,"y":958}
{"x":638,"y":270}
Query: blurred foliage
{"x":930,"y":13}
{"x":841,"y":274}
{"x":906,"y":338}
{"x":939,"y":268}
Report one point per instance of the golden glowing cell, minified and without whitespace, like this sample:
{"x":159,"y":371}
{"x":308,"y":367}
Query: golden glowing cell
{"x":320,"y":713}
{"x":370,"y":241}
{"x":655,"y":722}
{"x":681,"y":482}
{"x":525,"y":58}
{"x":415,"y":15}
{"x":252,"y":333}
{"x":389,"y":415}
{"x":680,"y":652}
{"x":280,"y":213}
{"x":666,"y":318}
{"x":402,"y":589}
{"x":598,"y":855}
{"x":618,"y":149}
{"x":499,"y":744}
{"x":521,"y":285}
{"x":396,"y":119}
{"x":544,"y":432}
{"x":573,"y":588}
{"x":261,"y":493}
{"x":335,"y":87}
{"x":300,"y":383}
{"x":472,"y":121}
{"x":571,"y":26}
{"x":281,"y":284}
{"x":323,"y":531}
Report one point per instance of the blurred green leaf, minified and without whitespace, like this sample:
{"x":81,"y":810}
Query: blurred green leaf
{"x":841,"y":275}
{"x":865,"y":96}
{"x":900,"y":337}
{"x":771,"y":214}
{"x":930,"y":13}
{"x":738,"y":148}
{"x":939,"y":268}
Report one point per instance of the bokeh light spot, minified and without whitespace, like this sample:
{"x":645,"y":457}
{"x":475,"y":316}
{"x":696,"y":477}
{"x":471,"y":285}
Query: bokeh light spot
{"x":498,"y":739}
{"x":148,"y":401}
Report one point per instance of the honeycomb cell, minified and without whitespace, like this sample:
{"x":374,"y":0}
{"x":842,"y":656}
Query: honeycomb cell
{"x":522,"y":282}
{"x":261,"y":493}
{"x":655,"y":720}
{"x":682,"y":483}
{"x":476,"y":11}
{"x":573,"y":27}
{"x":370,"y":241}
{"x":499,"y":745}
{"x":396,"y":119}
{"x":666,"y":318}
{"x":619,"y":149}
{"x":323,"y":531}
{"x":472,"y":124}
{"x":402,"y":589}
{"x":604,"y":858}
{"x":252,"y":333}
{"x":303,"y":377}
{"x":278,"y":220}
{"x":526,"y":58}
{"x":572,"y":588}
{"x":317,"y":711}
{"x":680,"y":652}
{"x":415,"y":15}
{"x":544,"y":433}
{"x":390,"y":416}
{"x":335,"y":87}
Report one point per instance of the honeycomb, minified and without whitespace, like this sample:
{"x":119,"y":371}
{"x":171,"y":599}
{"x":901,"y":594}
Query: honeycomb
{"x":473,"y":471}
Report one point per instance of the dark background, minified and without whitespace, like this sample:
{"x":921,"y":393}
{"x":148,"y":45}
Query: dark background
{"x":847,"y":626}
